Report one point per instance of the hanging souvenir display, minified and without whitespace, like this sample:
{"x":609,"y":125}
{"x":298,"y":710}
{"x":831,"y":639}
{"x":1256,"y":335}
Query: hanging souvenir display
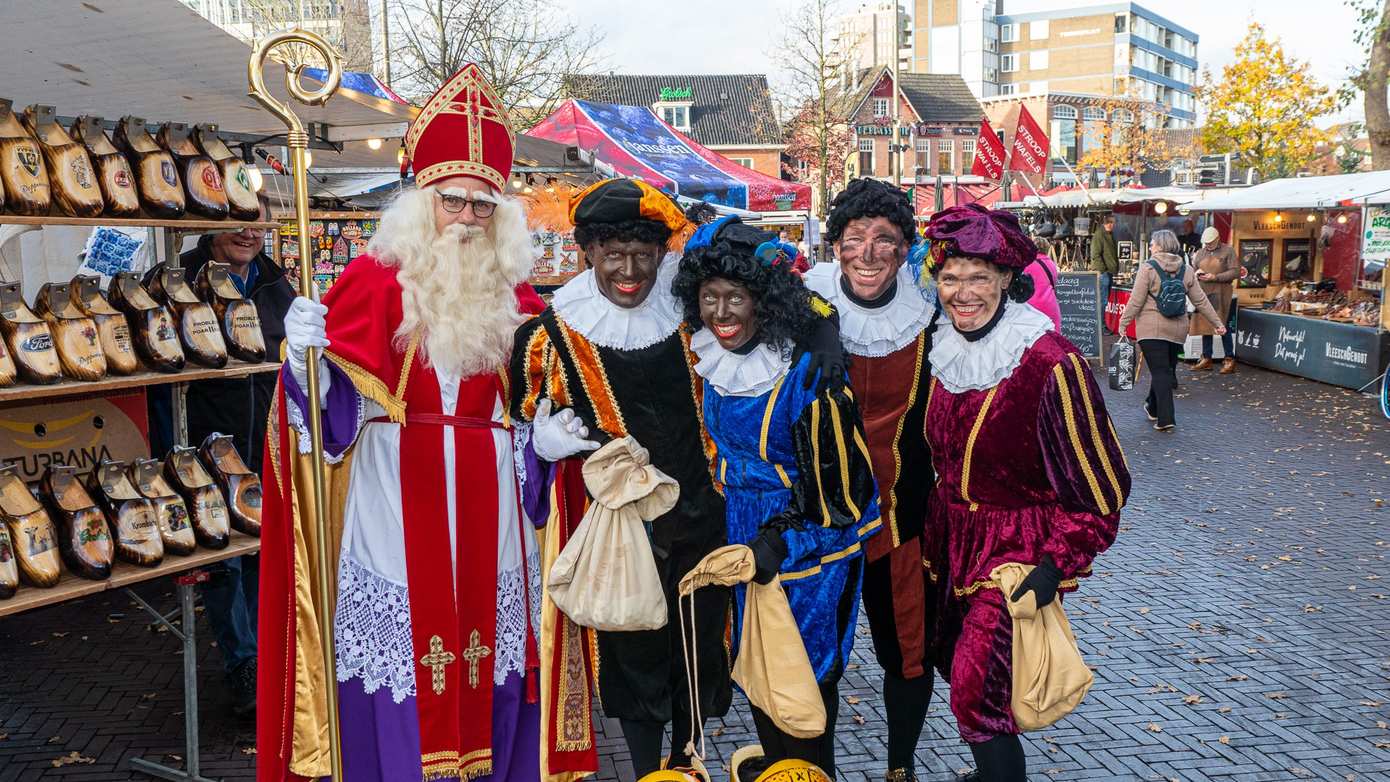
{"x":237,"y":315}
{"x":204,"y":500}
{"x":147,"y":475}
{"x":21,"y":167}
{"x":32,"y":535}
{"x":112,"y":330}
{"x":74,"y":334}
{"x":83,"y":537}
{"x":202,"y":182}
{"x":199,"y":333}
{"x":152,"y":326}
{"x":70,"y":174}
{"x":113,"y":170}
{"x":241,"y":486}
{"x":133,"y":519}
{"x":236,"y":179}
{"x":28,"y":338}
{"x":156,"y":177}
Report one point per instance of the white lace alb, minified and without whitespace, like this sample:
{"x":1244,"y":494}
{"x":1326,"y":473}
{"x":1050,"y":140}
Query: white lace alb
{"x":878,"y":331}
{"x":963,"y":366}
{"x":737,"y":374}
{"x":581,"y":305}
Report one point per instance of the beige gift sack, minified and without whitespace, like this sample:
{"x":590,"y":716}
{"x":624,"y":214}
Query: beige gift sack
{"x":1050,"y":678}
{"x":772,"y":666}
{"x":606,"y":577}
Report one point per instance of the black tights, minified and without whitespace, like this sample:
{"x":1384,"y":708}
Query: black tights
{"x":644,"y":740}
{"x":906,"y":702}
{"x":1000,"y":759}
{"x":819,"y":750}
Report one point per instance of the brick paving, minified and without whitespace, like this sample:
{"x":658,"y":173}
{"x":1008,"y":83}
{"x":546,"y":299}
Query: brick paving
{"x":1240,"y":626}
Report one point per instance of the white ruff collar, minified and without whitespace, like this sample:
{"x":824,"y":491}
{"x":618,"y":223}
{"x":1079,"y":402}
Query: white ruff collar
{"x":878,"y":331}
{"x":733,"y":374}
{"x":963,"y":366}
{"x":580,"y":305}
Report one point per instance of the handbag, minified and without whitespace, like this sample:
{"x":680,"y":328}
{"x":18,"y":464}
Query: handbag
{"x":1049,"y":677}
{"x":1122,"y":367}
{"x":606,"y":576}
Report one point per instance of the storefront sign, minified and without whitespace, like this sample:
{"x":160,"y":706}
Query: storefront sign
{"x":1280,"y":225}
{"x":1337,"y":353}
{"x":1254,"y":257}
{"x":873,"y":130}
{"x":925,"y":130}
{"x":1078,"y":298}
{"x":675,"y":93}
{"x":1375,"y":244}
{"x":78,"y":432}
{"x":965,"y":131}
{"x":1115,"y":308}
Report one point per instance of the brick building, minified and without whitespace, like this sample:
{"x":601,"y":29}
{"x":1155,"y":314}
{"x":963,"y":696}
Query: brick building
{"x":938,"y":122}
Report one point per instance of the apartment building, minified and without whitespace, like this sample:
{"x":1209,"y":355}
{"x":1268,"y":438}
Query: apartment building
{"x":866,"y":36}
{"x":344,"y":23}
{"x":1113,"y":49}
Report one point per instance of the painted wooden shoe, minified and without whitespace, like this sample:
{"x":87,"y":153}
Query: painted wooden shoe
{"x":113,"y":170}
{"x":152,"y":328}
{"x":113,"y":332}
{"x":27,"y":190}
{"x":147,"y":475}
{"x":83,"y":536}
{"x":74,"y":334}
{"x":199,"y":333}
{"x":240,"y":486}
{"x":28,"y":338}
{"x":202,"y":181}
{"x":237,"y":315}
{"x":9,"y":373}
{"x":156,"y":176}
{"x":236,"y":179}
{"x":9,"y":569}
{"x":71,"y":177}
{"x":31,"y":531}
{"x":134,"y":522}
{"x":206,"y":505}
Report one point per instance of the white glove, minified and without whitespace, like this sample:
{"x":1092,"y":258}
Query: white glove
{"x":559,"y":436}
{"x":305,"y":328}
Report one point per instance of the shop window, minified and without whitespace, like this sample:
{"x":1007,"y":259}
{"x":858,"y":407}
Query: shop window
{"x":1092,"y":113}
{"x":967,"y":156}
{"x":880,"y":107}
{"x":945,"y":156}
{"x":1063,"y":112}
{"x":866,"y":157}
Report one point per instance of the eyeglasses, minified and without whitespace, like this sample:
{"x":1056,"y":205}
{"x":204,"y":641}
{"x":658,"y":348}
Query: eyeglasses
{"x":455,"y":204}
{"x":975,"y":282}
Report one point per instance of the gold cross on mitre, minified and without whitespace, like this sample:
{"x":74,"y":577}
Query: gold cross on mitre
{"x":473,"y":654}
{"x":435,"y":661}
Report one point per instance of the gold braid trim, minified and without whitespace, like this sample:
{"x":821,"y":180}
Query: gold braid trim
{"x":970,"y":448}
{"x":990,"y":583}
{"x":1064,"y":393}
{"x":898,"y":438}
{"x":371,"y":387}
{"x":1095,"y":432}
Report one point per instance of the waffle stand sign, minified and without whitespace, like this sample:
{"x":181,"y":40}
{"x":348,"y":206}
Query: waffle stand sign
{"x":78,"y":433}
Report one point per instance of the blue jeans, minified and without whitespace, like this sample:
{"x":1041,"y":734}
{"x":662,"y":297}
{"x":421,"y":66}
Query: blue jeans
{"x":1104,"y":296}
{"x":1227,"y":345}
{"x":230,"y":597}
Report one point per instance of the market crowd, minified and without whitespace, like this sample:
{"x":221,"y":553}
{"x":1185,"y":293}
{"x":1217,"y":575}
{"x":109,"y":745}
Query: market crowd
{"x":689,"y":470}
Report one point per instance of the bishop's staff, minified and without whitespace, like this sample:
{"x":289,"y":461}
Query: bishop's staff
{"x":298,"y":142}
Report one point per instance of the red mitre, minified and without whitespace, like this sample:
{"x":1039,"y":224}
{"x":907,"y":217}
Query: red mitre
{"x":462,"y":130}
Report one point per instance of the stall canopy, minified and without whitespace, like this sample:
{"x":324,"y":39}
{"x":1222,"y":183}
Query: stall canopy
{"x":952,"y":194}
{"x":1314,"y":192}
{"x":637,"y":143}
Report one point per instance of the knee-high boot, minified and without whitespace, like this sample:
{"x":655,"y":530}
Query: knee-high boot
{"x":1000,"y":759}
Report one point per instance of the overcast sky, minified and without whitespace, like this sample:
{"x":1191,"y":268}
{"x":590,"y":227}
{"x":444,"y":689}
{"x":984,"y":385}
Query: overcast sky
{"x":741,"y":36}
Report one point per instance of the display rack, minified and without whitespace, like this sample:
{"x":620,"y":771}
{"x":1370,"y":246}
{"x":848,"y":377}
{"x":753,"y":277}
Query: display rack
{"x":186,"y":571}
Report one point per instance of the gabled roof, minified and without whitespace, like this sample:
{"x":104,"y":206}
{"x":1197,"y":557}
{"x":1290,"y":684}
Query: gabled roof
{"x":726,"y":110}
{"x":941,"y":97}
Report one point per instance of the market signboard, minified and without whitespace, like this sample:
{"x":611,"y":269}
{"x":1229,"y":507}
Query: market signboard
{"x":1375,"y":243}
{"x":1337,"y":353}
{"x":1255,"y":255}
{"x":77,"y":432}
{"x":1078,"y":297}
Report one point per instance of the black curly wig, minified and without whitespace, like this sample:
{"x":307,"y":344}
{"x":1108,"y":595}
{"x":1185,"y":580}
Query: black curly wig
{"x":870,"y":198}
{"x":649,"y":231}
{"x":701,"y":212}
{"x":780,"y":301}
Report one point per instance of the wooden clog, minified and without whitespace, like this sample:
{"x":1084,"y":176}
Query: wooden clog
{"x":207,"y":508}
{"x":202,"y":179}
{"x":74,"y":334}
{"x":241,"y":487}
{"x":147,"y":475}
{"x":133,"y":519}
{"x":238,"y":317}
{"x":83,"y":535}
{"x":27,"y":191}
{"x":156,"y":176}
{"x":113,"y":170}
{"x":9,"y":568}
{"x":71,"y":177}
{"x":112,"y":330}
{"x":31,"y":531}
{"x":199,"y":333}
{"x":153,"y":328}
{"x":236,"y":179}
{"x":28,"y":338}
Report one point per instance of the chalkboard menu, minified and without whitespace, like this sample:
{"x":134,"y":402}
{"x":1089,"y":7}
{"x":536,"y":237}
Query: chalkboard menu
{"x":1078,"y":297}
{"x":335,"y":238}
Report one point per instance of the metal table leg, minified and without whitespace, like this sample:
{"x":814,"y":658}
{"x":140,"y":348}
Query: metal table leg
{"x":185,"y":632}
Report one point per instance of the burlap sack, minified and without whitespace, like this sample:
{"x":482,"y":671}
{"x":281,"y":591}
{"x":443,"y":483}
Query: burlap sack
{"x":1050,"y":678}
{"x":606,"y":577}
{"x":772,"y":666}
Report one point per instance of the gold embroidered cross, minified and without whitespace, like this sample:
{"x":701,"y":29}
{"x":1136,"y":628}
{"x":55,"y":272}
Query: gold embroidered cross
{"x":435,"y":661}
{"x":473,"y":654}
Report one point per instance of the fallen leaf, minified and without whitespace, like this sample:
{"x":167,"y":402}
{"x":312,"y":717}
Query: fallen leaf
{"x":1192,"y":699}
{"x":858,"y":720}
{"x":1224,"y":710}
{"x":1276,"y":696}
{"x":248,"y":750}
{"x":1154,"y":727}
{"x":851,"y":699}
{"x":1224,"y":740}
{"x":71,"y":758}
{"x":1373,"y":704}
{"x":1240,"y":677}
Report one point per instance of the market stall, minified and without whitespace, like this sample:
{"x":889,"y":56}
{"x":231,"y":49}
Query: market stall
{"x":1310,"y":281}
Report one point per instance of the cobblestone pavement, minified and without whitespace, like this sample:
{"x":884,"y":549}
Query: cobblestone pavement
{"x":1240,"y":626}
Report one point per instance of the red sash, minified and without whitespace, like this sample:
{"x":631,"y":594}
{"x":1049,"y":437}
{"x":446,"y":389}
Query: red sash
{"x":453,"y":625}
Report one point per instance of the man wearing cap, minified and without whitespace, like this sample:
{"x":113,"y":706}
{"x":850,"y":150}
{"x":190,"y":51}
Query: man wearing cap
{"x":435,"y":560}
{"x":1217,"y":268}
{"x":887,"y":325}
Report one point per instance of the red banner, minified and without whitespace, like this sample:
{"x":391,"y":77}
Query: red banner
{"x":1030,"y":145}
{"x":989,"y":154}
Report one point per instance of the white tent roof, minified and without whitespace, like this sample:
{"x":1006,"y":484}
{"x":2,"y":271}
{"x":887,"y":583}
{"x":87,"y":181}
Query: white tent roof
{"x":1317,"y":192}
{"x":1102,"y":197}
{"x":155,"y":59}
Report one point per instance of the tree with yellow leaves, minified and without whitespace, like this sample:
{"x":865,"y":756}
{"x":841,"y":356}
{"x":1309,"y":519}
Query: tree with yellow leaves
{"x":1264,"y":107}
{"x":1127,"y":138}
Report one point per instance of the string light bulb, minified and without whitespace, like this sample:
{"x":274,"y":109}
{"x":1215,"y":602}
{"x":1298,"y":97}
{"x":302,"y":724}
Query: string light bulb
{"x":1312,"y":217}
{"x":1278,"y":217}
{"x":373,"y":144}
{"x":1342,"y":218}
{"x":1161,"y":208}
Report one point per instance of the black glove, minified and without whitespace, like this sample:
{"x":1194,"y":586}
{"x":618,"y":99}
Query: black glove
{"x":769,"y":550}
{"x":827,"y":356}
{"x":1043,"y":582}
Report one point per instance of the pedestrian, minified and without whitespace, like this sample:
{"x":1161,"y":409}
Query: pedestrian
{"x":1161,"y":336}
{"x":796,"y":473}
{"x":1217,"y":268}
{"x":1030,"y":470}
{"x":239,"y":407}
{"x":1189,"y":239}
{"x":1105,"y":258}
{"x":1043,"y":270}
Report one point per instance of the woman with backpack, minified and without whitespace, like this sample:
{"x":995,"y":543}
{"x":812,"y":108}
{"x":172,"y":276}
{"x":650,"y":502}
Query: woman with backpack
{"x":1158,"y":307}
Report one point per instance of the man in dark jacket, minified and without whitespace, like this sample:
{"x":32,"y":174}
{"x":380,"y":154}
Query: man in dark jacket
{"x":1105,"y":258}
{"x":239,"y":407}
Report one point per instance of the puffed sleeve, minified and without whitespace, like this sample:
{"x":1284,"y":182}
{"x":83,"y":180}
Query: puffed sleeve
{"x":1085,"y":466}
{"x":531,"y":366}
